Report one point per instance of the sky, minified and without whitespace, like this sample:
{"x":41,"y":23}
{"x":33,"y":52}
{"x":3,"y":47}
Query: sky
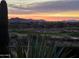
{"x":50,"y":10}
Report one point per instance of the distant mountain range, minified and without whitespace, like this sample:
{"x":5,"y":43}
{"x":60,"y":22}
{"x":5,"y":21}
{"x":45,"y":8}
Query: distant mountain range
{"x":21,"y":20}
{"x":72,"y":21}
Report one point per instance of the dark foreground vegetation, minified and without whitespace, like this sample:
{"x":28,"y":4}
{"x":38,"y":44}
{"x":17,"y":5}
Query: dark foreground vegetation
{"x":37,"y":46}
{"x":44,"y":39}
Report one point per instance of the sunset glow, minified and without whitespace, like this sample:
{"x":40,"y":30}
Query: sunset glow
{"x":49,"y":10}
{"x":47,"y":18}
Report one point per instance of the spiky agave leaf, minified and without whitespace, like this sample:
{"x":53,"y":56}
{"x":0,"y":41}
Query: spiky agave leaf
{"x":37,"y":48}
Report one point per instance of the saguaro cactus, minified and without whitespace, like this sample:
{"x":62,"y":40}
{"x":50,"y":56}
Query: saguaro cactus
{"x":4,"y":38}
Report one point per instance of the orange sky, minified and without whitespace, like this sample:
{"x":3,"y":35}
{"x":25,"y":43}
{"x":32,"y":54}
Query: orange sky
{"x":49,"y":10}
{"x":44,"y":17}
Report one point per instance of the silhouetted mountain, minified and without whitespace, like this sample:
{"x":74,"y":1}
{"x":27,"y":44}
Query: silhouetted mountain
{"x":71,"y":21}
{"x":21,"y":20}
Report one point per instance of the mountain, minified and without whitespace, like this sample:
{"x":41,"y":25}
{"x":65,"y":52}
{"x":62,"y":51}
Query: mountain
{"x":71,"y":21}
{"x":21,"y":20}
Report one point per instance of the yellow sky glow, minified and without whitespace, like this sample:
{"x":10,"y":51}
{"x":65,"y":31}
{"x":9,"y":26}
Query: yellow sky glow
{"x":48,"y":16}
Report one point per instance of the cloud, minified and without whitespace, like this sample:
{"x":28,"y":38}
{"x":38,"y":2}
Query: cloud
{"x":50,"y":6}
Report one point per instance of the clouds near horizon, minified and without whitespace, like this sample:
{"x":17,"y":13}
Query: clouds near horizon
{"x":43,"y":9}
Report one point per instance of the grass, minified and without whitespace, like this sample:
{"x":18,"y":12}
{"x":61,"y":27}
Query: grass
{"x":71,"y":27}
{"x":76,"y":34}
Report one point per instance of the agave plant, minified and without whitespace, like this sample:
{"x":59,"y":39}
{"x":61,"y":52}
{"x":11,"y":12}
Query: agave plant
{"x":38,"y":48}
